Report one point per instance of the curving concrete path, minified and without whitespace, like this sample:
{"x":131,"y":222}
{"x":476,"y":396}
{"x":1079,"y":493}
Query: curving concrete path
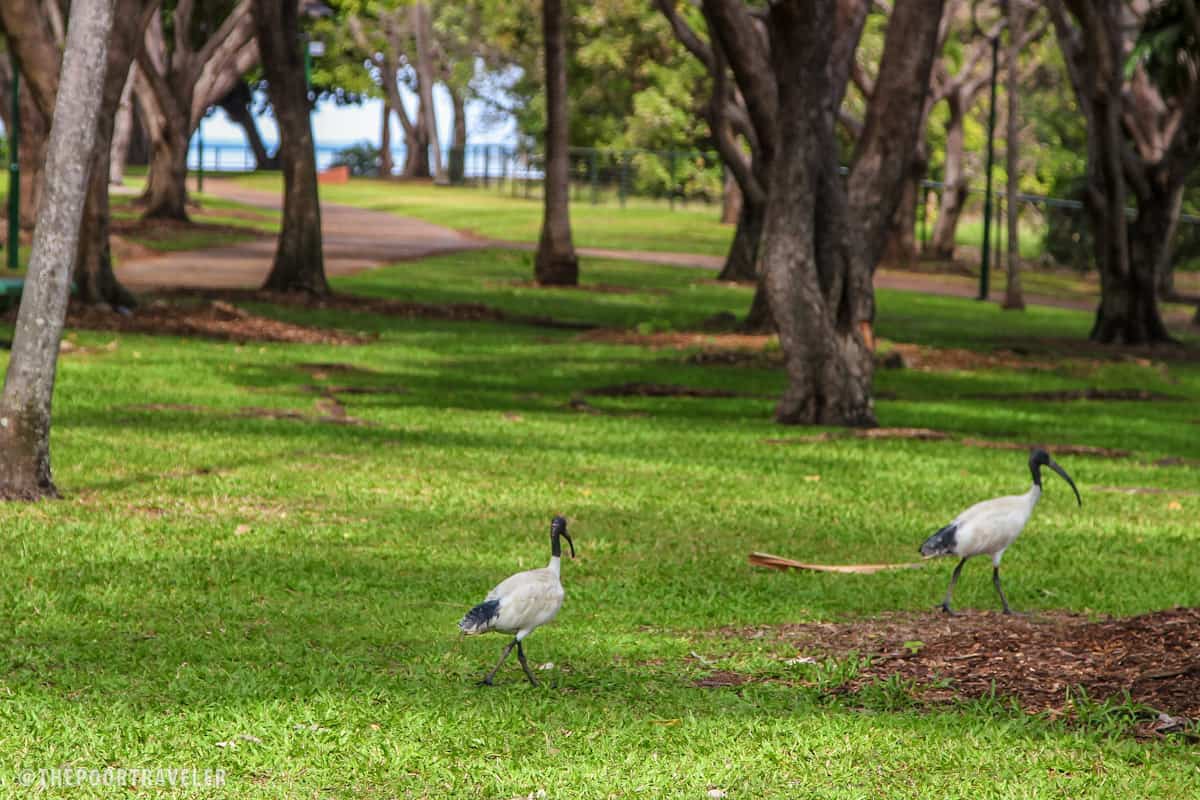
{"x":356,"y":239}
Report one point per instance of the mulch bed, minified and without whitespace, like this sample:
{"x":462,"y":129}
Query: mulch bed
{"x":638,"y":389}
{"x":457,"y":312}
{"x":1037,"y":659}
{"x":209,"y":320}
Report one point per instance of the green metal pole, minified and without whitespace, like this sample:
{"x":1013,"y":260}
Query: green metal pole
{"x":987,"y":197}
{"x":14,"y":174}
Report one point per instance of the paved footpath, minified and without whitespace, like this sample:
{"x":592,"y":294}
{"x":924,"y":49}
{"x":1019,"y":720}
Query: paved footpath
{"x":355,"y":239}
{"x":358,"y":239}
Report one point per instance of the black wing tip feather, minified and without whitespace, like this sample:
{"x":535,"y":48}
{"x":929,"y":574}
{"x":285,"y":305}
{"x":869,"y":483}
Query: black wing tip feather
{"x":480,"y":617}
{"x":941,"y":543}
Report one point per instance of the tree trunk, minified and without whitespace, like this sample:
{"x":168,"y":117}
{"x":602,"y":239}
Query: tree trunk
{"x":32,"y":159}
{"x":94,"y":278}
{"x":556,"y":263}
{"x":236,"y":104}
{"x":902,"y":241}
{"x":457,"y":164}
{"x":416,"y":150}
{"x":385,"y":144}
{"x":731,"y":200}
{"x":166,"y":187}
{"x":123,"y":126}
{"x":29,"y":383}
{"x":299,"y":257}
{"x":423,"y":34}
{"x":805,"y":261}
{"x":1013,"y":298}
{"x":742,"y":262}
{"x":954,"y":193}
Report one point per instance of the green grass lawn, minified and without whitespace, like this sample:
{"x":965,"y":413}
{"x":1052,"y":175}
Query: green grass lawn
{"x":277,"y":598}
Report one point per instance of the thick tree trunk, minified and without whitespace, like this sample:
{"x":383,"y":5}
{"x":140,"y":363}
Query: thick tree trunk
{"x":94,"y":278}
{"x":556,"y":263}
{"x":29,"y":383}
{"x":423,"y":34}
{"x":385,"y":144}
{"x":731,"y":200}
{"x":1014,"y":300}
{"x":416,"y":151}
{"x":123,"y":126}
{"x":299,"y":258}
{"x":32,"y":159}
{"x":166,"y":187}
{"x":954,"y":195}
{"x":457,"y":163}
{"x":741,"y":264}
{"x":902,"y":241}
{"x":805,"y":262}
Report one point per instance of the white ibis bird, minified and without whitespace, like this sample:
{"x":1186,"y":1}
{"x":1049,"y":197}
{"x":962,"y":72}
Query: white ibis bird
{"x":522,"y":603}
{"x":988,"y":528}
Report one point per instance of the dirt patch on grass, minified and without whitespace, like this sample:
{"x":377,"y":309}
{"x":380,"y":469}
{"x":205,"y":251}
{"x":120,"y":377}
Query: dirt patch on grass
{"x":592,"y":288}
{"x":456,"y":312}
{"x":682,"y":340}
{"x":212,"y":320}
{"x":951,"y":359}
{"x":927,"y":434}
{"x":1038,"y":659}
{"x":1067,"y":395}
{"x":329,"y":410}
{"x":637,"y":389}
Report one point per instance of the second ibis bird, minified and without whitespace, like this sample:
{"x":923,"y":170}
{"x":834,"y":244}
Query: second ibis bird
{"x":522,"y":603}
{"x":988,"y":528}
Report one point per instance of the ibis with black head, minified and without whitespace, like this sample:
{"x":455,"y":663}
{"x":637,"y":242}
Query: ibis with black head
{"x":522,"y":603}
{"x":988,"y":528}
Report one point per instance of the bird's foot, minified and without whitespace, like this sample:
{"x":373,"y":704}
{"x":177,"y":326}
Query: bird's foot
{"x":485,"y":682}
{"x":532,"y":682}
{"x":949,"y":612}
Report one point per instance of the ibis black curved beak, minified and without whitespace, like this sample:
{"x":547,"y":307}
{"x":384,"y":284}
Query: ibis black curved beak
{"x":1054,"y":466}
{"x":567,"y":536}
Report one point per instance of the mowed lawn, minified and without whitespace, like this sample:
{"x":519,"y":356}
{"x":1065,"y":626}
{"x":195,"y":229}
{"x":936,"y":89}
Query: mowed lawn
{"x":278,"y":597}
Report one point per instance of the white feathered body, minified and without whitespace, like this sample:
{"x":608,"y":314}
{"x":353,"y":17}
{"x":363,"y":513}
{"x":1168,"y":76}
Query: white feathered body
{"x":519,"y":604}
{"x":986,"y":528}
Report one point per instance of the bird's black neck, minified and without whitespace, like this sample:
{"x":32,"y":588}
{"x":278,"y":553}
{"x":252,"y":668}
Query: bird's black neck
{"x":555,"y":546}
{"x":1036,"y":469}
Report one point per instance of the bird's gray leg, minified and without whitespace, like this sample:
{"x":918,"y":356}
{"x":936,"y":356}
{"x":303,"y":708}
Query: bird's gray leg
{"x":525,"y":664}
{"x":487,"y":681}
{"x":950,"y":588}
{"x":999,"y":591}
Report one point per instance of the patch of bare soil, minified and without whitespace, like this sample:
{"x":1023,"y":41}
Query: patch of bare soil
{"x":457,"y":312}
{"x":945,"y":359}
{"x":751,"y":343}
{"x":592,"y":288}
{"x":1036,"y":659}
{"x":329,"y":410}
{"x":212,"y":320}
{"x":1079,"y":394}
{"x":637,"y":389}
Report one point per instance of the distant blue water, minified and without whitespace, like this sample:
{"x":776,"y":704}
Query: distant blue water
{"x":232,"y":156}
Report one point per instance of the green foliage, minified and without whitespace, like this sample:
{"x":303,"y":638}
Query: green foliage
{"x":362,"y":158}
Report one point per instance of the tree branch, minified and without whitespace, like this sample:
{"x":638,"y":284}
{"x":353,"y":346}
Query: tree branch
{"x":686,"y":36}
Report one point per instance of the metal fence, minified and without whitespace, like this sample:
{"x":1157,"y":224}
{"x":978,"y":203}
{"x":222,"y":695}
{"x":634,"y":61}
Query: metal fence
{"x":681,"y":179}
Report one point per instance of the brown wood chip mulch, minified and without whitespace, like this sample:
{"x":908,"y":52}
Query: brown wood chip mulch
{"x":1038,"y":659}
